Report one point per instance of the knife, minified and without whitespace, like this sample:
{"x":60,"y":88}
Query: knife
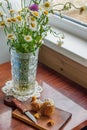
{"x":21,"y":106}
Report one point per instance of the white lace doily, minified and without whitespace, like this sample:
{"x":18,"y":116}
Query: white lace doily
{"x":7,"y":89}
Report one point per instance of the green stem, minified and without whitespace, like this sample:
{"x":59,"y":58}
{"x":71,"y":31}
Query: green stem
{"x":65,"y":5}
{"x":58,"y":4}
{"x":8,"y":5}
{"x":3,"y":9}
{"x":21,"y":4}
{"x":24,"y":3}
{"x":30,"y":2}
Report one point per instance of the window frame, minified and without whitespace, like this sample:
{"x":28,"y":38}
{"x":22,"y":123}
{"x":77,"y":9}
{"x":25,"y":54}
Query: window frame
{"x":68,"y":24}
{"x":62,"y":60}
{"x":74,"y":20}
{"x":75,"y":30}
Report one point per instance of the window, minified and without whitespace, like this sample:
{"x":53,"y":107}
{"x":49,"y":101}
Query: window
{"x":73,"y":14}
{"x":75,"y":31}
{"x":70,"y":59}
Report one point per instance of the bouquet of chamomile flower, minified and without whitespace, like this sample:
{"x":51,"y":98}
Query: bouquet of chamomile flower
{"x":26,"y":28}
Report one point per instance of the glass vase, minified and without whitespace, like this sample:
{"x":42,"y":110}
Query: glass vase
{"x":24,"y":68}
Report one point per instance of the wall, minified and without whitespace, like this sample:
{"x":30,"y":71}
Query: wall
{"x":4,"y":51}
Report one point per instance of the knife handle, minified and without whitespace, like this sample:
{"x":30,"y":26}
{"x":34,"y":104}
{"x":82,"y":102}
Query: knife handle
{"x":19,"y":105}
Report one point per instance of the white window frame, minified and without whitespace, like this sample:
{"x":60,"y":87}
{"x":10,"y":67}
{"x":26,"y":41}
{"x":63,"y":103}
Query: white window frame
{"x":77,"y":34}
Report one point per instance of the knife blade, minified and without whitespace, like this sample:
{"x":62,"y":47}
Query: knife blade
{"x":21,"y":106}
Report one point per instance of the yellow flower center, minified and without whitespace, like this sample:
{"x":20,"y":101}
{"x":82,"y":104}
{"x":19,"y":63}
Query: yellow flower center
{"x":19,"y":18}
{"x":36,"y":13}
{"x":28,"y":38}
{"x":9,"y":20}
{"x":13,"y":19}
{"x":46,"y":12}
{"x":32,"y":18}
{"x":33,"y":25}
{"x":19,"y":11}
{"x":47,"y":4}
{"x":2,"y":23}
{"x":11,"y":11}
{"x":82,"y":9}
{"x":10,"y":36}
{"x":1,"y":14}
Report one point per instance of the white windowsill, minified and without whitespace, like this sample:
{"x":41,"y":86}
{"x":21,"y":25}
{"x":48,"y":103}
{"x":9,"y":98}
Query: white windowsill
{"x":73,"y":47}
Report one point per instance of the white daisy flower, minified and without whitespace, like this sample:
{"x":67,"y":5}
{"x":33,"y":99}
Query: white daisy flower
{"x":19,"y":21}
{"x":12,"y":11}
{"x":8,"y":22}
{"x":1,"y":14}
{"x":45,"y":12}
{"x":2,"y":23}
{"x":33,"y":26}
{"x":60,"y":43}
{"x":13,"y":20}
{"x":27,"y":38}
{"x":32,"y":19}
{"x":35,"y":13}
{"x":11,"y":36}
{"x":19,"y":18}
{"x":47,"y":5}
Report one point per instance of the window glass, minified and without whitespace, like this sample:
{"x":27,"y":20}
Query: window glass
{"x":73,"y":13}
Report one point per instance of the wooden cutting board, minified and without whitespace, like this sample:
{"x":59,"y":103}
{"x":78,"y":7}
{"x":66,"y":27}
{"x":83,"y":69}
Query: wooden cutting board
{"x":60,"y":118}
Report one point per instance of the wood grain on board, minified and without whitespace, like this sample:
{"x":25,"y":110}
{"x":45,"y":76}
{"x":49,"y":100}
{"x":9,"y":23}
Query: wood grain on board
{"x":60,"y":117}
